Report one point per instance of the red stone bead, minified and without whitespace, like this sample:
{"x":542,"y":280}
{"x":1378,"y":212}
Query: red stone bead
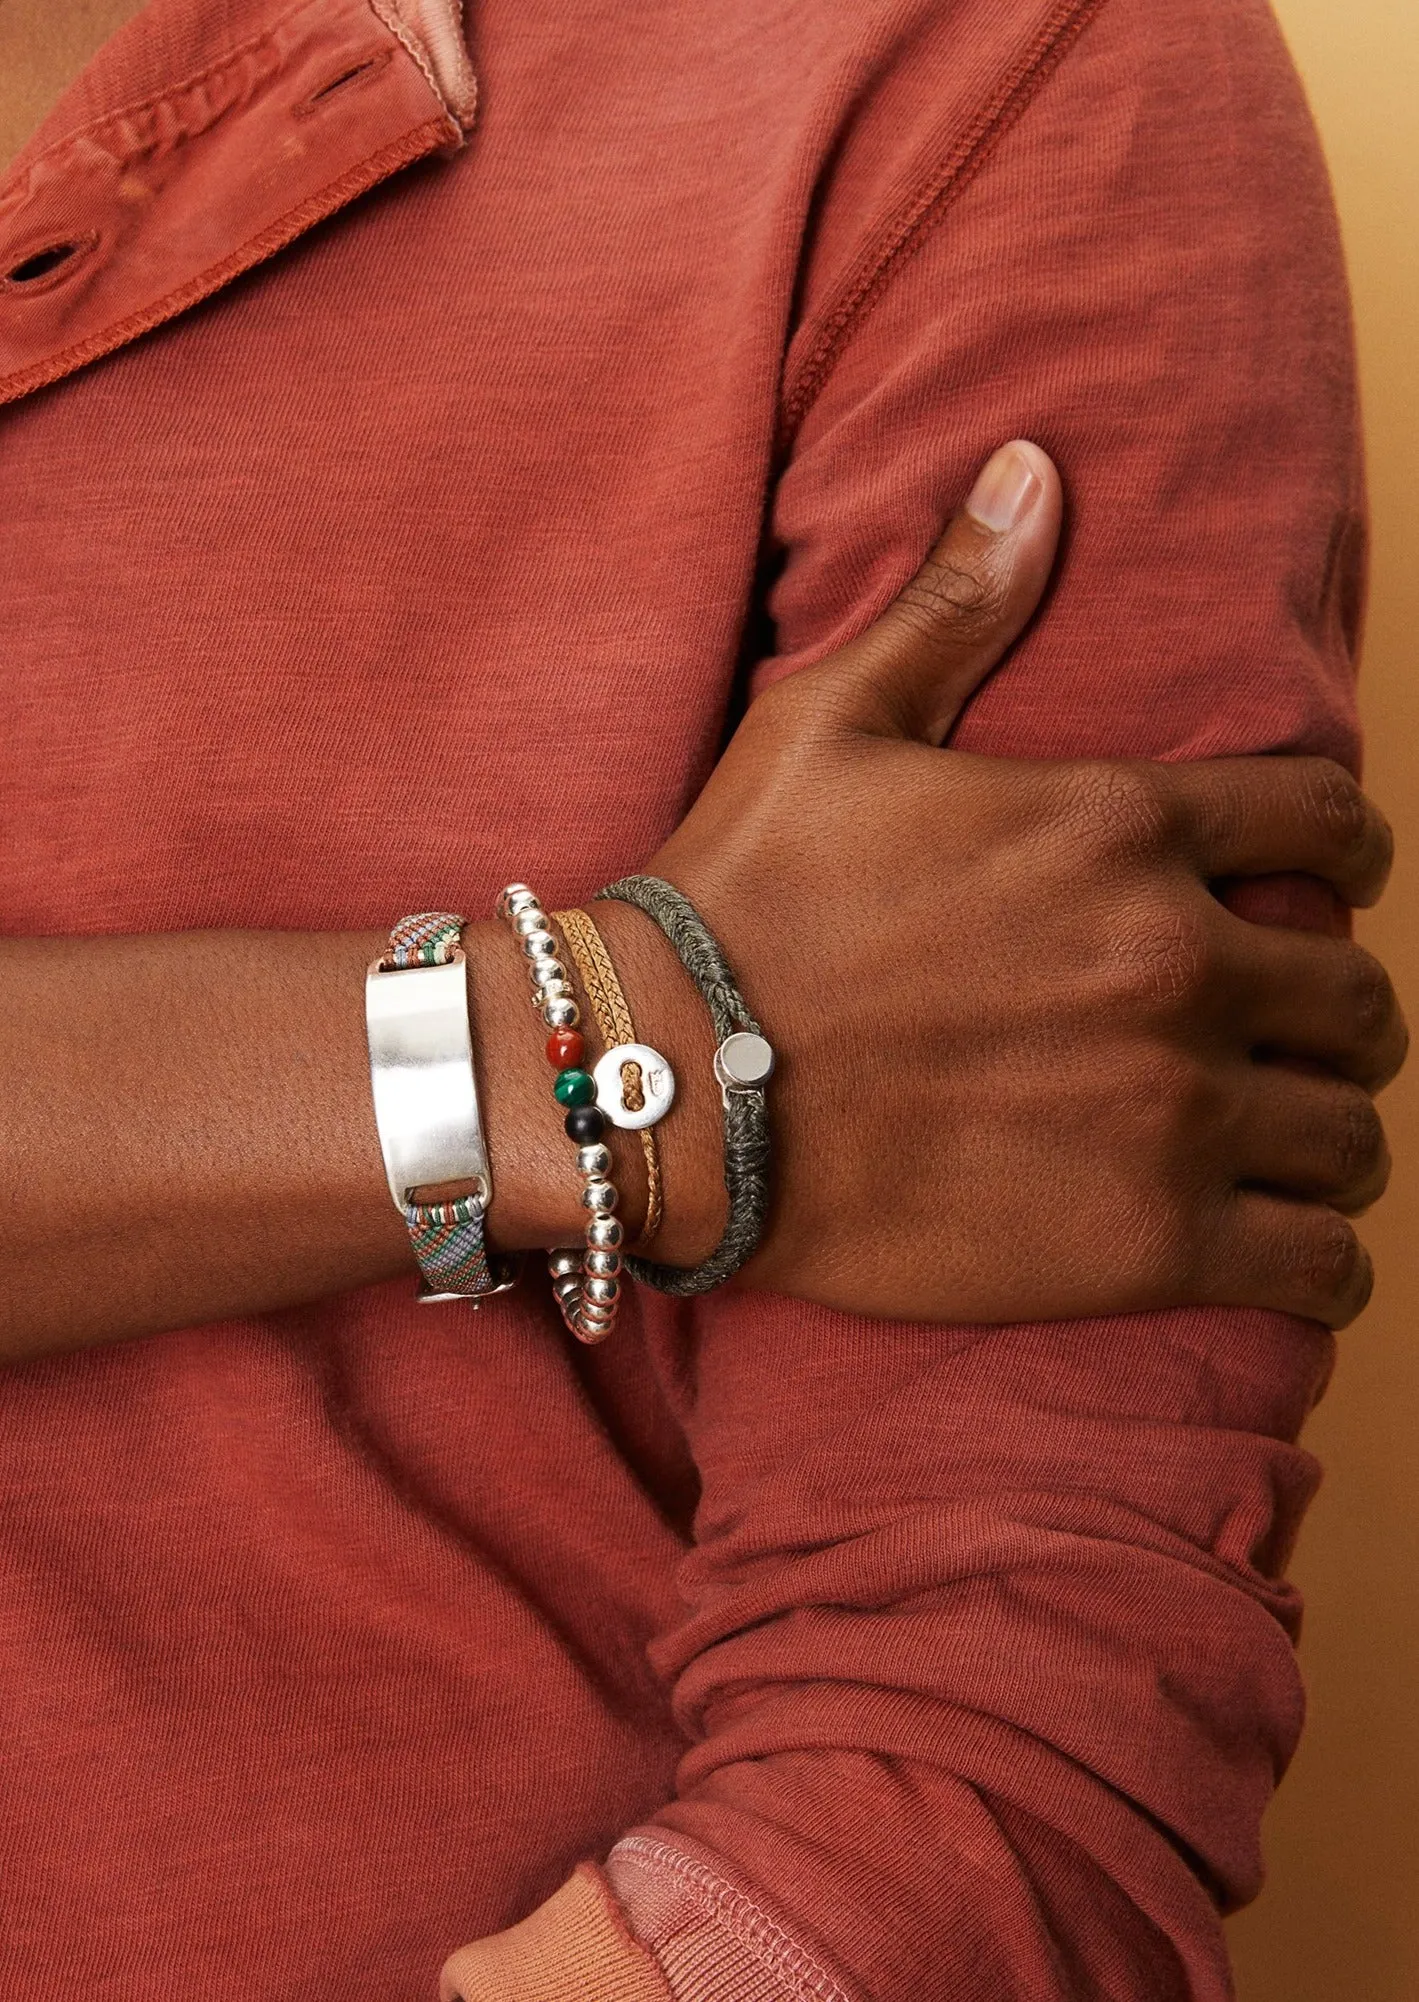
{"x":565,"y":1049}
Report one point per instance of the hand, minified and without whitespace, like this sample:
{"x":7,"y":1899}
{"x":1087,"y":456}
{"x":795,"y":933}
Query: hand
{"x":1020,"y":1040}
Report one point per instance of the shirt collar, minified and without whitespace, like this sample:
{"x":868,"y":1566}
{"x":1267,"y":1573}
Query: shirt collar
{"x":201,"y":140}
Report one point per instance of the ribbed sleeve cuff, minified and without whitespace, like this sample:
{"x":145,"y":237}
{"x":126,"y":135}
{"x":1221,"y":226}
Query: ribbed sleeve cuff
{"x":575,"y":1948}
{"x":714,"y":1940}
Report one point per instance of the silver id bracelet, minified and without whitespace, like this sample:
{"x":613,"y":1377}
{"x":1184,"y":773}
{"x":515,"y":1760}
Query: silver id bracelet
{"x":426,"y":1104}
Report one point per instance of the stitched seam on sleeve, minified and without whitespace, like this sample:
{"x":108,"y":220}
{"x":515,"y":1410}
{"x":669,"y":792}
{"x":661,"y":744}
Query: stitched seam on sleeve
{"x":905,"y":231}
{"x":791,"y":1965}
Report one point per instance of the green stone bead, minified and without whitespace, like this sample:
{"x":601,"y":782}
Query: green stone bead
{"x":575,"y":1088}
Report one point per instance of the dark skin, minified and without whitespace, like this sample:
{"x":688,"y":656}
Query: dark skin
{"x":1088,"y":1096}
{"x":1082,"y":1054}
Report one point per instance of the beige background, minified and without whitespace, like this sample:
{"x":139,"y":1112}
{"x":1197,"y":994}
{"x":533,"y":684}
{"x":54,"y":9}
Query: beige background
{"x":1339,"y":1920}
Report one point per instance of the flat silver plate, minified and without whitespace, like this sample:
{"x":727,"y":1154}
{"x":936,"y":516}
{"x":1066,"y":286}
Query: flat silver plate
{"x":635,"y":1086}
{"x":421,"y":1068}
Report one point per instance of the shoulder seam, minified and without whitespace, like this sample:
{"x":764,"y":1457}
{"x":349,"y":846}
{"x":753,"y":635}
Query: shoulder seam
{"x":904,"y":231}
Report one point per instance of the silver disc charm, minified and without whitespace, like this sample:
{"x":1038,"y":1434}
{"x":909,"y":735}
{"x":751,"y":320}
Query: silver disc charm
{"x":743,"y":1063}
{"x":635,"y":1086}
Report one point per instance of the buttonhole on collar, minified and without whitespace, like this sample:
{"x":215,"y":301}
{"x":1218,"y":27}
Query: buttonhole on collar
{"x":358,"y":71}
{"x":40,"y":263}
{"x":47,"y":264}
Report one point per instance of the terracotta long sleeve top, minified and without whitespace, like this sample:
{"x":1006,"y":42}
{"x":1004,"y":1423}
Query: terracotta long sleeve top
{"x":393,"y":494}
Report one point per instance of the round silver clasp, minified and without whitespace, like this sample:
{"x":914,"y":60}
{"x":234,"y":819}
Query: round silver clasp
{"x":743,"y":1062}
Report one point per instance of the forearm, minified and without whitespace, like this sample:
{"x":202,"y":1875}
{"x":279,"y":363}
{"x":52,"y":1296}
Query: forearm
{"x":189,"y":1135}
{"x":988,"y":1651}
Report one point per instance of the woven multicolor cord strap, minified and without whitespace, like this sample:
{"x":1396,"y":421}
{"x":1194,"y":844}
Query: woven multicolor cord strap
{"x":428,"y":939}
{"x":448,"y":1243}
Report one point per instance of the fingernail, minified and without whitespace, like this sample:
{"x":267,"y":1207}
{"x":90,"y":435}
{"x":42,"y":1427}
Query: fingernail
{"x":1006,"y":490}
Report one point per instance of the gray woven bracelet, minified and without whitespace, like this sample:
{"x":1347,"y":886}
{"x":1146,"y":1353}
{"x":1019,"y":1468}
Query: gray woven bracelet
{"x":743,"y":1064}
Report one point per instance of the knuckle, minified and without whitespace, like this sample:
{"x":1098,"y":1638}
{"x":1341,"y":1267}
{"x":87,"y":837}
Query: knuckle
{"x":1375,"y":848}
{"x":1165,"y":955}
{"x":1400,"y":1056}
{"x":787,"y":706}
{"x":802,"y":712}
{"x":774,"y":708}
{"x":1384,"y":846}
{"x":1333,"y":1264}
{"x":1118,"y":810}
{"x":970,"y":602}
{"x":1340,"y":806}
{"x":1372,"y":1000}
{"x":1357,"y":1140}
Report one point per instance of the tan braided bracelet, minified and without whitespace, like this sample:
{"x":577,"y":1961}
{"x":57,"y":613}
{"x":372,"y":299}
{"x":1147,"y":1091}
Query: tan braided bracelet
{"x":613,"y":1022}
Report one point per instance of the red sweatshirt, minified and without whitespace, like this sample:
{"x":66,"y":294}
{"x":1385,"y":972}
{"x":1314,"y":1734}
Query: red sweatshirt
{"x":383,"y":517}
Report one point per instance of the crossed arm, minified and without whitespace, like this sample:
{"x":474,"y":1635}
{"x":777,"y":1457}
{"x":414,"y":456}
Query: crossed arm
{"x":987,"y":1652}
{"x":859,"y":1586}
{"x":1100,"y":1082}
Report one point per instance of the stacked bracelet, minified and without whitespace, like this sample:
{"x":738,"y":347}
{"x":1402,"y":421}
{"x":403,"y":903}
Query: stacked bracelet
{"x":635,"y":1087}
{"x":743,"y":1065}
{"x":426,"y":1103}
{"x":586,"y":1282}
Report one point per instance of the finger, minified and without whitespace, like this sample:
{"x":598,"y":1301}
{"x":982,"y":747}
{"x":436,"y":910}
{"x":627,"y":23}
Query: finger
{"x":1294,"y":1257}
{"x":1314,"y":1137}
{"x":1270,"y":816}
{"x":1324,"y":999}
{"x":912,"y":672}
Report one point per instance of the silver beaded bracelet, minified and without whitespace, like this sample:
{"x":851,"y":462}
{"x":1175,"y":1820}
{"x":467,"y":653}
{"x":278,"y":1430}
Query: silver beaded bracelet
{"x":586,"y":1281}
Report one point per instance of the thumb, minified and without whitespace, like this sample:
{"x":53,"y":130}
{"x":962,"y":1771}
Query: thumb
{"x":912,"y":673}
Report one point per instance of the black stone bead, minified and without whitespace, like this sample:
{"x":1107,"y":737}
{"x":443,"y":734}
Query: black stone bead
{"x":585,"y":1124}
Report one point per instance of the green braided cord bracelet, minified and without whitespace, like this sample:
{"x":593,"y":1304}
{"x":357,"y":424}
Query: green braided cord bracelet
{"x":743,"y":1064}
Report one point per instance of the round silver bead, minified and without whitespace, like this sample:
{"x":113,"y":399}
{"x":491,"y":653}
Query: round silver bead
{"x":516,"y":897}
{"x":599,"y":1196}
{"x":554,"y":990}
{"x":590,"y":1332}
{"x":541,"y":971}
{"x":531,"y":917}
{"x":604,"y":1233}
{"x":603,"y":1291}
{"x":561,"y":1264}
{"x":539,"y":945}
{"x":596,"y":1316}
{"x":602,"y":1264}
{"x":568,"y":1290}
{"x":594,"y":1160}
{"x":561,"y":1012}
